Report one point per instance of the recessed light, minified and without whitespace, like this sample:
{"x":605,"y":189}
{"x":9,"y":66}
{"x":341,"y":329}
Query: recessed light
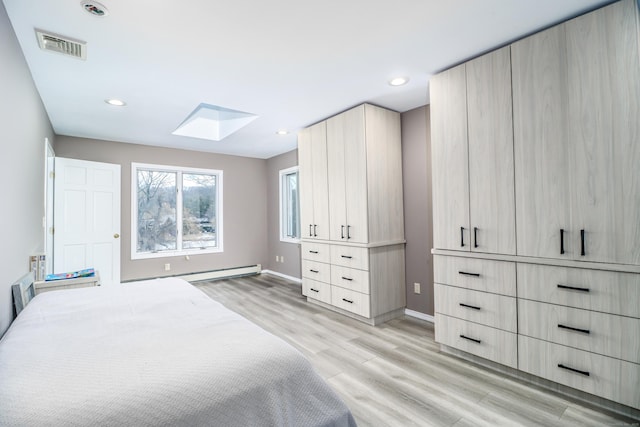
{"x":115,"y":102}
{"x":283,"y":132}
{"x":399,"y":81}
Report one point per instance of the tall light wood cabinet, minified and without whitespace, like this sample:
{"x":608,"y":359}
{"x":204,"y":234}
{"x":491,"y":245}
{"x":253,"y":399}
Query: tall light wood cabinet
{"x":314,"y":194}
{"x":568,"y":180}
{"x":365,"y":213}
{"x":576,"y":106}
{"x":472,"y":138}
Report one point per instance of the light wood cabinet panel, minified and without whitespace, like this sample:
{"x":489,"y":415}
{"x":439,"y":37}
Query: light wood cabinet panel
{"x":316,"y":290}
{"x":350,"y":278}
{"x":479,"y":274}
{"x":350,"y":256}
{"x":605,"y":334}
{"x":449,"y":151}
{"x":493,"y":310}
{"x":319,"y":252}
{"x":491,"y":167}
{"x":484,"y":341}
{"x":314,"y":195}
{"x":604,"y":127}
{"x":597,"y":290}
{"x":610,"y":378}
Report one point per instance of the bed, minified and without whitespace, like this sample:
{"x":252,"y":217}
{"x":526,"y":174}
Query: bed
{"x":154,"y":353}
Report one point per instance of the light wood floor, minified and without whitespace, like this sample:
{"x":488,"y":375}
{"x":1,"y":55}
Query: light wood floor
{"x":394,"y":374}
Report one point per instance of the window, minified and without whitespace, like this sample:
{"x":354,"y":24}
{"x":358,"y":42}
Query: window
{"x":289,"y":206}
{"x":175,"y":211}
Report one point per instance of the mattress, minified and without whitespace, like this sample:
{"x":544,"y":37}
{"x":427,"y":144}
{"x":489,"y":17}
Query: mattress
{"x":154,"y":353}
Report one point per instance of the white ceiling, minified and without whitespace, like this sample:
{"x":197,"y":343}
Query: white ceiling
{"x":291,"y":62}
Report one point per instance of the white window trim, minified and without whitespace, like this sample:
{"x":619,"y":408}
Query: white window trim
{"x":283,"y":234}
{"x":134,"y":211}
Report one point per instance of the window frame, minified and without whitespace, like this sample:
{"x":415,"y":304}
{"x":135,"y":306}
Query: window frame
{"x":283,"y":214}
{"x":179,"y":171}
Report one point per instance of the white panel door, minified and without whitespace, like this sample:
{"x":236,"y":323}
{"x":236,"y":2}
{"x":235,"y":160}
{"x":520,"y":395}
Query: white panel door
{"x":87,"y":218}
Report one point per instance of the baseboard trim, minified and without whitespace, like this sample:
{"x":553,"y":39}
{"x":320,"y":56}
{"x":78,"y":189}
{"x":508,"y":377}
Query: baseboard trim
{"x":419,"y":315}
{"x":284,"y":276}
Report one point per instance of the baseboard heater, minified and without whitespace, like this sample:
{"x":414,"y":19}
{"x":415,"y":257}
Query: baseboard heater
{"x":223,"y":273}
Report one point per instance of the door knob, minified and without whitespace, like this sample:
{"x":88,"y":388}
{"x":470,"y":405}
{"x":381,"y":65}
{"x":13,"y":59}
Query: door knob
{"x":115,"y":236}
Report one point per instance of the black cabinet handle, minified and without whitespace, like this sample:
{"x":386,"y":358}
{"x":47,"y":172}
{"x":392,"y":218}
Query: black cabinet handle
{"x":342,"y":231}
{"x":582,"y":251}
{"x":313,"y":252}
{"x":573,"y":288}
{"x":462,"y":237}
{"x":346,"y":278}
{"x":577,"y":371}
{"x":310,"y":232}
{"x":346,"y":256}
{"x":314,"y":271}
{"x":469,"y":274}
{"x":346,"y":300}
{"x":315,"y":234}
{"x":475,"y":237}
{"x":584,"y":331}
{"x":348,"y":232}
{"x":314,"y":290}
{"x":562,"y":241}
{"x":470,"y":339}
{"x":469,"y":306}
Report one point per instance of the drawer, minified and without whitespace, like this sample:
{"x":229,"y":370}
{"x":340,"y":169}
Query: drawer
{"x":350,"y":278}
{"x":316,"y":252}
{"x":352,"y":301}
{"x":493,"y":310}
{"x":316,"y":271}
{"x":498,"y":277}
{"x":483,"y":341}
{"x":349,"y":256}
{"x":603,"y":376}
{"x":602,"y":333}
{"x":605,"y":291}
{"x":316,"y":290}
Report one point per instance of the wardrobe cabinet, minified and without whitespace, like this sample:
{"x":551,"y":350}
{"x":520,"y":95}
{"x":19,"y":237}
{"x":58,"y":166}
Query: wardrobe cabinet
{"x":472,"y":138}
{"x":314,"y":193}
{"x":576,"y":96}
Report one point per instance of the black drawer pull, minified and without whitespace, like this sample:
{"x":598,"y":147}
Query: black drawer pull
{"x":314,"y":290}
{"x":461,"y":236}
{"x":310,"y":230}
{"x":342,"y":231}
{"x":315,"y":234}
{"x":348,"y":232}
{"x":314,"y":271}
{"x":469,"y":306}
{"x":573,"y":288}
{"x":582,"y":251}
{"x":475,"y":237}
{"x":346,"y":256}
{"x":577,"y":371}
{"x":346,"y":300}
{"x":346,"y":278}
{"x":584,"y":331}
{"x":470,"y":339}
{"x":469,"y":274}
{"x":313,"y":252}
{"x":561,"y":241}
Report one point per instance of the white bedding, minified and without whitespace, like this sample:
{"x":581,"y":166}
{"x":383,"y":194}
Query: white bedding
{"x":153,"y":353}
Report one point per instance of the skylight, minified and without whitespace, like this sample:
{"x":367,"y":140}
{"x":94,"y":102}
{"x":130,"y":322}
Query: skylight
{"x":213,"y":122}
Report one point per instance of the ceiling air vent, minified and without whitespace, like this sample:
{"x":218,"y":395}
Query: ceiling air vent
{"x":61,"y":44}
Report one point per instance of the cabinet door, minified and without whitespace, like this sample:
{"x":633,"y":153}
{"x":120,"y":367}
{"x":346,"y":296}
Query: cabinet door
{"x":450,"y":159}
{"x":355,"y":163}
{"x":320,"y":184}
{"x":604,"y":129}
{"x":305,"y":172}
{"x":540,"y":117}
{"x":491,"y":175}
{"x":336,"y":177}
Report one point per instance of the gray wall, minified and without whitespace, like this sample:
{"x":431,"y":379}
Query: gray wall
{"x":290,"y":251}
{"x":24,"y":125}
{"x":416,"y":171}
{"x":244,"y":203}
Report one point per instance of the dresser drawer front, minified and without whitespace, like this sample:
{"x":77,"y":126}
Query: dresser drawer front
{"x":610,"y":378}
{"x":316,"y":290}
{"x":493,"y":310}
{"x":319,"y":252}
{"x":352,"y":301}
{"x":349,"y":256}
{"x":316,"y":271}
{"x":350,"y":278}
{"x":602,"y":333}
{"x":479,"y":274}
{"x":483,"y":341}
{"x":605,"y":291}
